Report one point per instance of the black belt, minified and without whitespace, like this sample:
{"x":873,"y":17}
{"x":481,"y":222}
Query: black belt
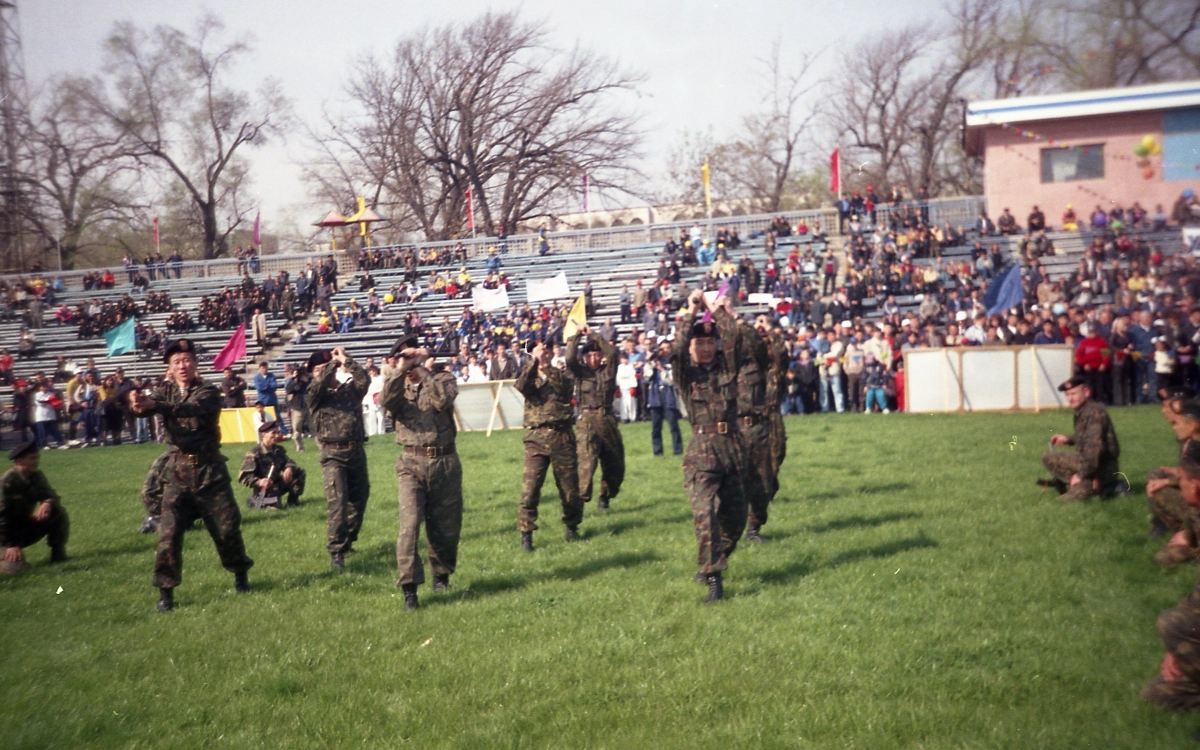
{"x":565,"y":425}
{"x":340,"y":446}
{"x":429,"y":451}
{"x":720,"y":428}
{"x":195,"y":459}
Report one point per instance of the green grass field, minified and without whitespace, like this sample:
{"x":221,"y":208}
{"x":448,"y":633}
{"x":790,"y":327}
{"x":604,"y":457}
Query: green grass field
{"x":918,"y":591}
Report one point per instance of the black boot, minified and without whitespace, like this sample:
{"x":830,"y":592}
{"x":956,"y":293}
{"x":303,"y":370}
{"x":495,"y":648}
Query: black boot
{"x":572,"y":533}
{"x":602,"y":503}
{"x":241,"y":583}
{"x":716,"y":591}
{"x":58,"y":554}
{"x":527,"y":541}
{"x":293,"y":499}
{"x":441,"y":583}
{"x":410,"y":596}
{"x":753,"y":535}
{"x":337,"y":561}
{"x":150,"y":525}
{"x":701,"y":579}
{"x":166,"y":600}
{"x":1157,"y":528}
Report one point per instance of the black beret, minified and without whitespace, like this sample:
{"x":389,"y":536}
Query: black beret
{"x":266,"y":427}
{"x":24,"y":449}
{"x":591,"y":345}
{"x":177,"y":346}
{"x":319,"y":357}
{"x":1189,"y":408}
{"x":407,"y":341}
{"x":530,"y":345}
{"x":1072,"y":382}
{"x":704,"y":330}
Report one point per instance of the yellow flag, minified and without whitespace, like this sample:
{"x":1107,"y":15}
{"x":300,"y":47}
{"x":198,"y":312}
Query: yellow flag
{"x":576,"y":318}
{"x":707,"y":195}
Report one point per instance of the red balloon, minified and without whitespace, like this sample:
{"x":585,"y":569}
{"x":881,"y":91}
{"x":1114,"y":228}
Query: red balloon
{"x":1148,"y":173}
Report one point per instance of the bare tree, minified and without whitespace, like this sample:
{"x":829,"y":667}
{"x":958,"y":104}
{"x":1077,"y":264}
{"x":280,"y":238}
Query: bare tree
{"x":487,"y":107}
{"x":83,"y":183}
{"x":166,"y":93}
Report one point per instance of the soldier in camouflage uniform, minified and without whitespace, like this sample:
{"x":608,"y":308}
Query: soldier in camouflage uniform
{"x":336,"y":416}
{"x":594,"y":365}
{"x":195,"y":481}
{"x":714,"y":466}
{"x":152,"y":492}
{"x":268,"y":471}
{"x":549,"y":442}
{"x":30,"y":510}
{"x":1177,"y":685}
{"x":1093,"y":466}
{"x":777,"y":385}
{"x":1170,"y":510}
{"x":420,"y":397}
{"x":753,"y":362}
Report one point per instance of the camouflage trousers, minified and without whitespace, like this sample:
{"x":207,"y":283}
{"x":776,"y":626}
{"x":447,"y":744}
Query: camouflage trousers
{"x":713,"y":475}
{"x":347,"y":487}
{"x":430,"y":493}
{"x":1064,"y":465}
{"x":778,"y":443}
{"x":192,"y":491}
{"x":759,"y":479}
{"x":55,"y":530}
{"x":546,"y":448}
{"x":599,"y":441}
{"x":1179,"y":629}
{"x":279,"y":488}
{"x":152,"y":489}
{"x":1168,"y":505}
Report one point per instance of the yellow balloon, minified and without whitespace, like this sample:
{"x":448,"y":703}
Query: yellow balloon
{"x":389,"y":298}
{"x":1149,"y":142}
{"x":1156,"y":149}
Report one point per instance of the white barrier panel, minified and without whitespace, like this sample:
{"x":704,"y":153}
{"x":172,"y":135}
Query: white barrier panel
{"x":496,"y":405}
{"x":986,"y":378}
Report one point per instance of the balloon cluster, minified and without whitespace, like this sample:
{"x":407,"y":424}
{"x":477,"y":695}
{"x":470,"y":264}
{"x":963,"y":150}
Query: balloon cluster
{"x":1145,"y":148}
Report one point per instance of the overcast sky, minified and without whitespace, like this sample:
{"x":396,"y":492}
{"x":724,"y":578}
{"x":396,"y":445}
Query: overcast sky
{"x":698,"y":56}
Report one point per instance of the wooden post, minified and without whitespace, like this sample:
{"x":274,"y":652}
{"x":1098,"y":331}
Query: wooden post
{"x":1033,"y":365}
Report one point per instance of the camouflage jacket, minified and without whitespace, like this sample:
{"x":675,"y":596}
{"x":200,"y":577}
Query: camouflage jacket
{"x":777,"y":369}
{"x":191,"y":418}
{"x":547,"y":394}
{"x":258,"y":464}
{"x":19,"y":498}
{"x":709,"y":390}
{"x":423,"y":411}
{"x":335,"y":409}
{"x":1096,"y":441}
{"x":594,"y":389}
{"x":743,"y":344}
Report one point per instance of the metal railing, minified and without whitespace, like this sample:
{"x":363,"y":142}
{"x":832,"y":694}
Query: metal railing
{"x":958,"y":211}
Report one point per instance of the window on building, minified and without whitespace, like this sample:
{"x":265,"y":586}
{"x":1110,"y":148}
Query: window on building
{"x":1073,"y":163}
{"x":1181,"y":144}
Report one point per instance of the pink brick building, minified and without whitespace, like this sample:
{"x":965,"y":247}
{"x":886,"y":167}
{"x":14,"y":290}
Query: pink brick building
{"x":1078,"y":149}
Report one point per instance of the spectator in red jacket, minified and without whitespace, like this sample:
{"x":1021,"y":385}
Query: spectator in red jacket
{"x":1093,"y":357}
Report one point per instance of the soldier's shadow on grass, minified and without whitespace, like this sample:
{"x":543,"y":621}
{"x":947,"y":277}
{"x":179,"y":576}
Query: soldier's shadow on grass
{"x":802,"y":568}
{"x":860,"y":522}
{"x":489,"y":585}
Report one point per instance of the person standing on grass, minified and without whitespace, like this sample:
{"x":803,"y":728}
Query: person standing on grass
{"x":296,"y":386}
{"x":714,"y":465}
{"x":196,"y":482}
{"x":420,"y":397}
{"x":30,"y":510}
{"x":660,"y":401}
{"x":598,"y":438}
{"x":1177,"y":686}
{"x":1094,"y":466}
{"x":549,"y":443}
{"x":335,"y":407}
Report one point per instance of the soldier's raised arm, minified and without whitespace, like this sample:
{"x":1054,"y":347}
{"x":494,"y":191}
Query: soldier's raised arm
{"x":572,"y":355}
{"x":526,"y":382}
{"x":443,"y":389}
{"x":206,"y":400}
{"x":358,"y":377}
{"x":320,"y":385}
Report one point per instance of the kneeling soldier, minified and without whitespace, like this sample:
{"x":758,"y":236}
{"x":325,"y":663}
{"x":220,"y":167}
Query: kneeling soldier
{"x":269,"y":472}
{"x":29,"y":510}
{"x":421,"y":402}
{"x":1093,"y":467}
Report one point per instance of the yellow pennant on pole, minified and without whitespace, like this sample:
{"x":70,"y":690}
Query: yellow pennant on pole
{"x":576,"y":318}
{"x":707,"y":195}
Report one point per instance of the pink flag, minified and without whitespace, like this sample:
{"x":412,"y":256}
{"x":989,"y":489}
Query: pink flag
{"x":156,"y":234}
{"x":470,"y":212}
{"x":835,"y":172}
{"x":720,"y":293}
{"x":257,"y":226}
{"x":234,"y":350}
{"x":585,"y":193}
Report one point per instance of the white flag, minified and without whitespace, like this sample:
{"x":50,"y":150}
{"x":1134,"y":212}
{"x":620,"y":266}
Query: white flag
{"x":548,"y":289}
{"x":489,"y":300}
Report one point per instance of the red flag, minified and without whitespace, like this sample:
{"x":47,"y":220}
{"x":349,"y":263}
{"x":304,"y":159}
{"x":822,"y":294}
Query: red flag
{"x":470,"y":212}
{"x":835,"y":172}
{"x":234,"y":350}
{"x":585,"y":193}
{"x":156,"y":234}
{"x":257,"y":226}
